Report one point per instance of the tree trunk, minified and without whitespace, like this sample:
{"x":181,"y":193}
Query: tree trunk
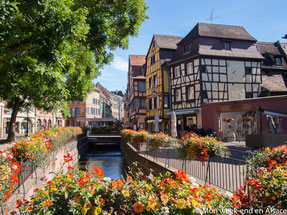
{"x":11,"y":134}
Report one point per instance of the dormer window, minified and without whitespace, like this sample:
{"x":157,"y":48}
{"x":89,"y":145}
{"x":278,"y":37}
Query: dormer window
{"x":227,"y":45}
{"x":278,"y":61}
{"x":186,"y":49}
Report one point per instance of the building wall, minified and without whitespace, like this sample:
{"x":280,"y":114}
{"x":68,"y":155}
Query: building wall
{"x":211,"y":112}
{"x":154,"y":92}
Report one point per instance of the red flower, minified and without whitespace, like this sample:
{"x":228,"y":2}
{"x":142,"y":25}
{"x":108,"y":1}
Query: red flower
{"x":68,"y":158}
{"x":48,"y":202}
{"x":98,"y":172}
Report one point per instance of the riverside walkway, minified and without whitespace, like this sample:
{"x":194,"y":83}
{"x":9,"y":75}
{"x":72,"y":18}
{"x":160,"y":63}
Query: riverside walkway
{"x":225,"y":173}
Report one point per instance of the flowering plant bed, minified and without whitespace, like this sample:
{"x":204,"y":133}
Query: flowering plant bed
{"x":9,"y":169}
{"x":152,"y":141}
{"x":267,"y":182}
{"x":195,"y":147}
{"x":35,"y":147}
{"x":79,"y":193}
{"x":32,"y":150}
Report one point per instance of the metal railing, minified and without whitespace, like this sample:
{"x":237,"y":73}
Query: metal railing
{"x":26,"y":171}
{"x":226,"y":173}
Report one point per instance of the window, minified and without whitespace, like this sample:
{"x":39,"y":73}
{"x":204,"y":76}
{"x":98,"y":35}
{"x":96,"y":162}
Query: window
{"x":152,"y":60}
{"x":142,"y":86}
{"x":165,"y":102}
{"x":152,"y":103}
{"x":149,"y":104}
{"x":190,"y":93}
{"x":78,"y":102}
{"x":248,"y":95}
{"x":77,"y":111}
{"x":176,"y":72}
{"x":73,"y":102}
{"x":71,"y":111}
{"x":278,"y":61}
{"x":227,"y":45}
{"x":155,"y":103}
{"x":248,"y":70}
{"x":150,"y":83}
{"x":155,"y":81}
{"x":189,"y":68}
{"x":88,"y":110}
{"x":142,"y":103}
{"x":204,"y":94}
{"x":141,"y":126}
{"x":153,"y":44}
{"x":203,"y":69}
{"x":137,"y":103}
{"x":186,"y":48}
{"x":177,"y":95}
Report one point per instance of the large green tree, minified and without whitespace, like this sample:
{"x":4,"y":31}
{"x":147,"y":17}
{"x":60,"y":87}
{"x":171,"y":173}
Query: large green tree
{"x":51,"y":50}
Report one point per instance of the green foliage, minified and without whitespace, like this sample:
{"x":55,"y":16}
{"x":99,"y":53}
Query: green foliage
{"x":51,"y":50}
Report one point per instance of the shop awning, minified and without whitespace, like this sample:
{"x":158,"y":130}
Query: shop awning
{"x":184,"y":111}
{"x":274,"y":113}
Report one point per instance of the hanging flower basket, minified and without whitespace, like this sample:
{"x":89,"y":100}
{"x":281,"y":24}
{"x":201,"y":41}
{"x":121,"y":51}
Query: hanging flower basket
{"x":228,"y":120}
{"x":247,"y":119}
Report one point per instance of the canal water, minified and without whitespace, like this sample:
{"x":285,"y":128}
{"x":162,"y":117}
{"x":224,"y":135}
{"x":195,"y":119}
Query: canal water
{"x":106,"y":156}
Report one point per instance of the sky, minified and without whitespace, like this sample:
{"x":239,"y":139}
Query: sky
{"x":263,"y":19}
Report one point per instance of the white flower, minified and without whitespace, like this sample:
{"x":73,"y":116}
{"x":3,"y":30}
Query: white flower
{"x":192,"y":180}
{"x":4,"y":155}
{"x":151,"y":176}
{"x":107,"y":179}
{"x":229,"y":194}
{"x":14,"y":167}
{"x":165,"y":210}
{"x":10,"y":156}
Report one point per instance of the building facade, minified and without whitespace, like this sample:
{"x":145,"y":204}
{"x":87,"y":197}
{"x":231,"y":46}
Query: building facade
{"x":29,"y":121}
{"x":161,"y":51}
{"x":136,"y":92}
{"x":85,"y":113}
{"x":212,"y":63}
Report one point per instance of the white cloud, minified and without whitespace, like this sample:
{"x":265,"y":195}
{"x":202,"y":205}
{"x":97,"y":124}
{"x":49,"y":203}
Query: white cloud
{"x":120,"y":63}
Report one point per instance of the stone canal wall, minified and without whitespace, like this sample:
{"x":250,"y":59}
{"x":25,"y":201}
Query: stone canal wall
{"x":131,"y":155}
{"x":55,"y":163}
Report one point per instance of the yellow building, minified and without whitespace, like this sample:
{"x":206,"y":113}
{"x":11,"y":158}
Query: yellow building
{"x":161,"y":51}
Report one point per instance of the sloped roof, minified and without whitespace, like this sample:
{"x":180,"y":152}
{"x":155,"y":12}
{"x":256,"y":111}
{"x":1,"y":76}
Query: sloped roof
{"x":274,"y":83}
{"x":103,"y":90}
{"x":137,"y":60}
{"x":219,"y":31}
{"x":284,"y":47}
{"x":167,"y":41}
{"x":268,"y":48}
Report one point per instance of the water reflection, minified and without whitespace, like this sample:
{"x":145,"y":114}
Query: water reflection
{"x":107,"y":157}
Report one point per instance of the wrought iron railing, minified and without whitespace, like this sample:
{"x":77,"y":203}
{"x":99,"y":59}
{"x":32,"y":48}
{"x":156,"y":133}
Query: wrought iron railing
{"x":227,"y":173}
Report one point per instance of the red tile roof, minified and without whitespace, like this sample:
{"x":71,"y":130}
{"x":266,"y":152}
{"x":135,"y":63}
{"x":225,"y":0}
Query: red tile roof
{"x":137,"y":60}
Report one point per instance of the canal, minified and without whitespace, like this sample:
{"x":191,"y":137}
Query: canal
{"x":105,"y":156}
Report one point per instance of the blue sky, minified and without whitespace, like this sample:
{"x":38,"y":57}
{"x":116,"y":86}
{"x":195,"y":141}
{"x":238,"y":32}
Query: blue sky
{"x":263,"y":19}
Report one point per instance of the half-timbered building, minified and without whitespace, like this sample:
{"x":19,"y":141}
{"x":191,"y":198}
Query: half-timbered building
{"x":212,"y":63}
{"x":136,"y":92}
{"x":161,"y":51}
